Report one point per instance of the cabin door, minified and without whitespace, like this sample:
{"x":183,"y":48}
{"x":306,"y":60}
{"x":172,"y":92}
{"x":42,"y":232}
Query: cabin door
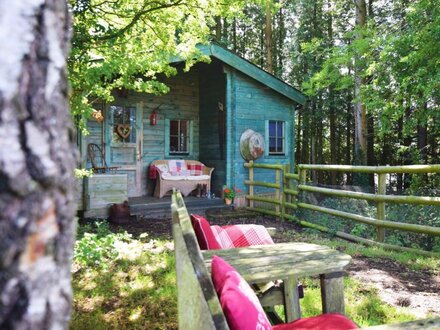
{"x":124,"y":143}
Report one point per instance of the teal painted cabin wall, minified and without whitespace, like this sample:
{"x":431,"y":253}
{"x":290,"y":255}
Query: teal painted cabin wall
{"x":182,"y":102}
{"x":212,"y":91}
{"x":194,"y":96}
{"x":252,"y":106}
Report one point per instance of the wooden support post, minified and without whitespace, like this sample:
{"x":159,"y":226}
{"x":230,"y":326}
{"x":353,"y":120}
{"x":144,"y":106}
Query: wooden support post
{"x":251,"y":186}
{"x":332,"y":293}
{"x":381,"y":190}
{"x":286,"y":185}
{"x":292,"y":310}
{"x":302,"y":181}
{"x":277,"y":191}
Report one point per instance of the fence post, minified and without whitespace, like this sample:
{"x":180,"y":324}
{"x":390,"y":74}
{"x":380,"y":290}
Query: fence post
{"x":286,"y":185}
{"x":380,"y":215}
{"x":251,"y":186}
{"x":277,"y":190}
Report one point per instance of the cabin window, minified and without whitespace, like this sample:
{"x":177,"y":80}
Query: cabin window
{"x":276,"y":137}
{"x":123,"y":124}
{"x":179,"y":137}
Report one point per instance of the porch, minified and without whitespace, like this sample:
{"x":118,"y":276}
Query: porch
{"x":148,"y":206}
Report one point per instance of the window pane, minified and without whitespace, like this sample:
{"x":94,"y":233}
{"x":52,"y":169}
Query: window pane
{"x":280,"y":145}
{"x":174,"y":127}
{"x":174,"y":144}
{"x":280,"y":129}
{"x":183,"y":144}
{"x":183,"y":127}
{"x":272,"y":128}
{"x":123,"y":120}
{"x":272,"y":144}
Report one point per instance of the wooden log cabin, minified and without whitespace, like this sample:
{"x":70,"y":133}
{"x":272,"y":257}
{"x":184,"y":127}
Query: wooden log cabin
{"x":201,"y":118}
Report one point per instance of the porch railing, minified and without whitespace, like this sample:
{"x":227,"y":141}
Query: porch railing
{"x":290,"y":190}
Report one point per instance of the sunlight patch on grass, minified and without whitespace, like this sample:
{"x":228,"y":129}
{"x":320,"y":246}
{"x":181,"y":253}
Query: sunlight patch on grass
{"x":135,"y":290}
{"x":363,"y":304}
{"x":411,"y":260}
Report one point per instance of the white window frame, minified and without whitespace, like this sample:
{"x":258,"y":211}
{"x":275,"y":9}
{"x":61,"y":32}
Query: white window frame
{"x":284,"y":138}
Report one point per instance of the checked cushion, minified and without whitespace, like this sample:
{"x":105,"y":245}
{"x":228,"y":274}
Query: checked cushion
{"x":195,"y":169}
{"x":241,"y":236}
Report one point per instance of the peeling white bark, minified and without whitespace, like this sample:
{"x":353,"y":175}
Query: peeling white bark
{"x":37,"y":158}
{"x":17,"y":21}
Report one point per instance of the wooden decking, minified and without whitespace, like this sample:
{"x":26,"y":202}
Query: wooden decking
{"x":149,"y":206}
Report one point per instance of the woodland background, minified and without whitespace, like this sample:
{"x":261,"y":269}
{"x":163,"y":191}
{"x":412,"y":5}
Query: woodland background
{"x":371,"y":68}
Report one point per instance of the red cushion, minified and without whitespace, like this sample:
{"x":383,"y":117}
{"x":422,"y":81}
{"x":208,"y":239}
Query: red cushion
{"x":240,"y":305}
{"x":321,"y":322}
{"x":204,"y":234}
{"x":219,"y":270}
{"x":195,"y":169}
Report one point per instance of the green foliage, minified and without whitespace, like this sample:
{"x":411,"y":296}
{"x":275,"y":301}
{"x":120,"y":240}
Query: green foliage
{"x":83,"y":173}
{"x":97,"y":249}
{"x":353,"y":206}
{"x":127,"y":44}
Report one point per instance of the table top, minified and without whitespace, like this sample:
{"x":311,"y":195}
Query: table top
{"x":280,"y":261}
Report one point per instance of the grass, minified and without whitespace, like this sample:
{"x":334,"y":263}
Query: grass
{"x":134,"y":290}
{"x":363,"y":304}
{"x":120,"y":282}
{"x":411,"y":260}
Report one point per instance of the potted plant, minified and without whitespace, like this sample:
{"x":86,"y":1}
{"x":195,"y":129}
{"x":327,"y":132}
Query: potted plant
{"x":229,"y":194}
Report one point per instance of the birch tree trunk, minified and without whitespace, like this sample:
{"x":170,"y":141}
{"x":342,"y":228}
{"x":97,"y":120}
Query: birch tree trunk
{"x":37,"y":159}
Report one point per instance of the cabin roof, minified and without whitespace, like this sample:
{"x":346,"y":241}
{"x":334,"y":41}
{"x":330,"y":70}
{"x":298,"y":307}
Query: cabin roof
{"x":253,"y":71}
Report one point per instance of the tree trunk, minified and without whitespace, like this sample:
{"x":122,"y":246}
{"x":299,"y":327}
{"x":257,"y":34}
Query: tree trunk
{"x":298,"y":140}
{"x":37,"y":158}
{"x":360,"y":118}
{"x":268,"y":37}
{"x":422,"y":139}
{"x":349,"y":134}
{"x":234,"y":35}
{"x":218,"y":28}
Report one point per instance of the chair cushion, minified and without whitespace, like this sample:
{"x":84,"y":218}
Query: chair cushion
{"x":195,"y":169}
{"x":205,"y":237}
{"x":240,"y":305}
{"x":198,"y":177}
{"x":321,"y":322}
{"x":176,"y":165}
{"x":241,"y":235}
{"x":163,"y":168}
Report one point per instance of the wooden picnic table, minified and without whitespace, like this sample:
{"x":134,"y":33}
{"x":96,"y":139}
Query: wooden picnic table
{"x":289,"y":262}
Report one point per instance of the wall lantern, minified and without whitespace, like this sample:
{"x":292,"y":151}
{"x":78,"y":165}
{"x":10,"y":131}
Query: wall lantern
{"x":153,"y":118}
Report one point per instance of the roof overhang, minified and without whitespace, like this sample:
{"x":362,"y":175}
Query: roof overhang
{"x":253,"y":71}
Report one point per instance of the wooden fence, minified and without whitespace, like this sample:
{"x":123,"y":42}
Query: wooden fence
{"x":289,"y":187}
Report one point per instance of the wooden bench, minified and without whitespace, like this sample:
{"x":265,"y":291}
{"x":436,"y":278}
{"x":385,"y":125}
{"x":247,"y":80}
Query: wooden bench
{"x":198,"y":305}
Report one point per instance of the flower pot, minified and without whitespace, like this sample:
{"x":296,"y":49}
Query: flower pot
{"x":228,"y":201}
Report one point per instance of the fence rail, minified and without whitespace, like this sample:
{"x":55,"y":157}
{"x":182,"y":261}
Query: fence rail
{"x":288,"y":197}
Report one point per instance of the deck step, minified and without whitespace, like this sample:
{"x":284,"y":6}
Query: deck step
{"x":158,"y":208}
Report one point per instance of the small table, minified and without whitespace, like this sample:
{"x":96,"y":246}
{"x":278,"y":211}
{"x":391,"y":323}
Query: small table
{"x":288,"y":262}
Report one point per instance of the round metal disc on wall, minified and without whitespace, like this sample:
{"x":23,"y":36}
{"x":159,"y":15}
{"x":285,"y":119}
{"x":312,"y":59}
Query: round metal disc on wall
{"x":251,"y":145}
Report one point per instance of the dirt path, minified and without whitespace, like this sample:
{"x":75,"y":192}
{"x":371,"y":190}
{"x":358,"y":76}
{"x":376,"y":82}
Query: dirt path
{"x":396,"y":284}
{"x":399,"y":286}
